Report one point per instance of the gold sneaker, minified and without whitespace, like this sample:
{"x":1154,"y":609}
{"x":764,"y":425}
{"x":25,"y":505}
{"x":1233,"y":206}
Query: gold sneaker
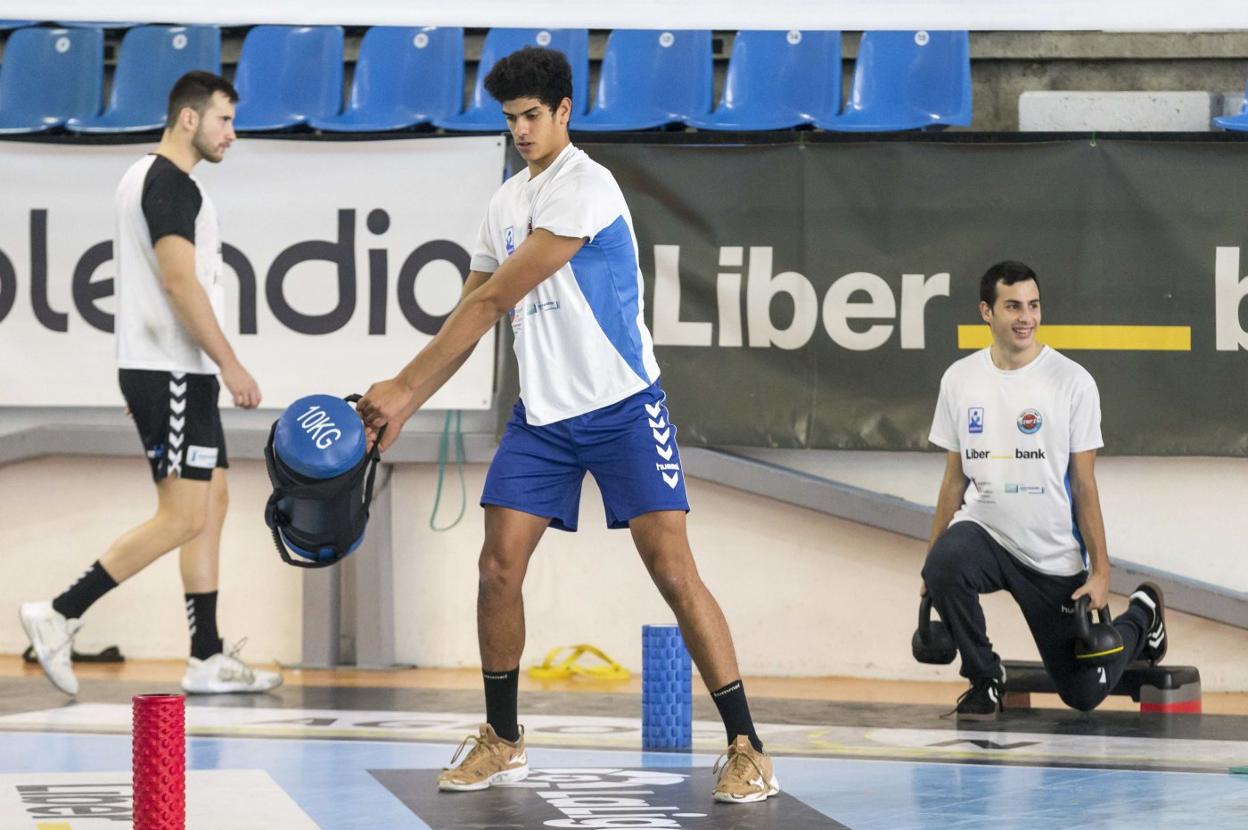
{"x":490,"y":761}
{"x":745,"y":774}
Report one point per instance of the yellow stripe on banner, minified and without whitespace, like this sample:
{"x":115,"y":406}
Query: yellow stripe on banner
{"x":1107,"y":338}
{"x":52,"y":825}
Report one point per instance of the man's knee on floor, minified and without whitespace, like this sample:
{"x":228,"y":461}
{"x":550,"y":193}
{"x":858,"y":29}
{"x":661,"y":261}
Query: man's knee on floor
{"x":1084,"y":697}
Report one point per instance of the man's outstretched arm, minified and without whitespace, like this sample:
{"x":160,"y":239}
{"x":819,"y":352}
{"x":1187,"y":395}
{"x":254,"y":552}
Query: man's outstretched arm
{"x":391,"y":402}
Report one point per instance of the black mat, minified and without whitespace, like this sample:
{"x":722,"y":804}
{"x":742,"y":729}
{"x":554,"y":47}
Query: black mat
{"x":675,"y":797}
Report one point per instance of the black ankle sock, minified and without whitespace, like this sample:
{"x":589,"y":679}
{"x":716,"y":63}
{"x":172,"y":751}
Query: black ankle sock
{"x":201,"y":618}
{"x":735,"y":711}
{"x":501,"y":690}
{"x":80,"y":596}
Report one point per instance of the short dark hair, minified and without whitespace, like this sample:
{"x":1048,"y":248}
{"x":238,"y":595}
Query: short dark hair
{"x":1008,"y":272}
{"x":531,"y":72}
{"x":195,"y":90}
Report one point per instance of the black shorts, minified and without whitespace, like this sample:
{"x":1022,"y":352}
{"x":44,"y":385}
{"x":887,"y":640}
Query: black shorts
{"x":178,"y":421}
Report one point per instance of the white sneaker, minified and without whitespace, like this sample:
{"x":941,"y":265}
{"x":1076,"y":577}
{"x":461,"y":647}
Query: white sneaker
{"x":224,"y":673}
{"x":52,"y":636}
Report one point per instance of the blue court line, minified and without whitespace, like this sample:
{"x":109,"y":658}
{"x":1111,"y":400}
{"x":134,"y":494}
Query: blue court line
{"x":329,"y":781}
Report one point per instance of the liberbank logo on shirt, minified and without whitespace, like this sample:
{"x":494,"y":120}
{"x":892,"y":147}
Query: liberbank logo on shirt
{"x":509,"y":239}
{"x":972,"y":454}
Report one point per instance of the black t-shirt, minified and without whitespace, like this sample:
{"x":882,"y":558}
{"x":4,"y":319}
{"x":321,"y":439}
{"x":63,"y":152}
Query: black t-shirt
{"x":171,"y":201}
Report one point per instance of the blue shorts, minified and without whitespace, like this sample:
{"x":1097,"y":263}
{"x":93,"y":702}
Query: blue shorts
{"x":629,"y":447}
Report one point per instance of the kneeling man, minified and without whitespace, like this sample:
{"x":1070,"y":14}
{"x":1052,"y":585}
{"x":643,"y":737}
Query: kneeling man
{"x":1018,"y":508}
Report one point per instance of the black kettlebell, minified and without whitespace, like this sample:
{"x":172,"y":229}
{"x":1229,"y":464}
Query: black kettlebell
{"x":932,"y":642}
{"x":1097,"y":643}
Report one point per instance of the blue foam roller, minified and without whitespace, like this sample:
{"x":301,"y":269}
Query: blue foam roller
{"x":666,"y":689}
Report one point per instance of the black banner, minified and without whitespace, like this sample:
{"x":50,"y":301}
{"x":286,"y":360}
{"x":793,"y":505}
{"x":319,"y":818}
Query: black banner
{"x":809,"y":295}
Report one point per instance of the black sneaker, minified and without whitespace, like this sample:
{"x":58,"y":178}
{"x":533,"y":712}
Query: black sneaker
{"x":983,"y":700}
{"x":1149,"y":597}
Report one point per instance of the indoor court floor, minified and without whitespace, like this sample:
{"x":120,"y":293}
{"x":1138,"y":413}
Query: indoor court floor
{"x":351,"y":749}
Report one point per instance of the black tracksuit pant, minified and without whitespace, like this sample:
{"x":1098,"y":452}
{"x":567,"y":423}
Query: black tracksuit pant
{"x":966,"y":562}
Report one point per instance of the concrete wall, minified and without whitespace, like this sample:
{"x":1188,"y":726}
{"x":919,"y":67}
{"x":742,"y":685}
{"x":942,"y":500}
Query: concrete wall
{"x":59,"y":514}
{"x":1181,"y":515}
{"x":806,"y":594}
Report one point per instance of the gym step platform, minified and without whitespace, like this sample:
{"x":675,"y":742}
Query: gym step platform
{"x":1171,"y":690}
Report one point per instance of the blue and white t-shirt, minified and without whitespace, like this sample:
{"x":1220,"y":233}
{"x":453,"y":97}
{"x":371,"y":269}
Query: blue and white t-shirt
{"x":580,"y":337}
{"x":1016,"y":431}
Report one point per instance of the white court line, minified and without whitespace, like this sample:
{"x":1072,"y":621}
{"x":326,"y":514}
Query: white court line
{"x":238,"y":799}
{"x":625,"y":733}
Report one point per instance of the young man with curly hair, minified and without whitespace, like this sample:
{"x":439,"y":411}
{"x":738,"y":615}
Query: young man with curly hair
{"x":557,"y":255}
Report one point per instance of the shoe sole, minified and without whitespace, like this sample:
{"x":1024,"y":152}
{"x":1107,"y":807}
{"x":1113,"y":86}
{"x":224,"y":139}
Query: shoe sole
{"x":1161,"y":616}
{"x":773,"y":788}
{"x":505,"y":777}
{"x":41,"y":657}
{"x":977,"y":718}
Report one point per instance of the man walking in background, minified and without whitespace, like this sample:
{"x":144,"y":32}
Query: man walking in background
{"x":170,"y":347}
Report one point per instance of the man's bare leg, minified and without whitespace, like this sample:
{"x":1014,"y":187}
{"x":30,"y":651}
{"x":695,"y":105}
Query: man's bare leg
{"x":200,"y":557}
{"x":181,"y":511}
{"x":510,"y":539}
{"x":663,"y":543}
{"x":747,"y":774}
{"x":200,"y":563}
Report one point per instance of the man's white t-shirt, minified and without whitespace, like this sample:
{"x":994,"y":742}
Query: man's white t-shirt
{"x":156,"y":199}
{"x":1015,"y":431}
{"x":580,"y":338}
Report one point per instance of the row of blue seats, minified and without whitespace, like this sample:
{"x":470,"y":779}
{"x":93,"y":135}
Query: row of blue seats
{"x":293,"y":75}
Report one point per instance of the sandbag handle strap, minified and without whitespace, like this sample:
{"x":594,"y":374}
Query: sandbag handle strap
{"x":374,"y":457}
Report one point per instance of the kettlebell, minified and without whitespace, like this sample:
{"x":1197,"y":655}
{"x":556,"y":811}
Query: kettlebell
{"x":932,"y":642}
{"x":1097,"y":643}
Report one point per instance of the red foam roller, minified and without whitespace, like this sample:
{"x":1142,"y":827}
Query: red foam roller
{"x":159,"y":760}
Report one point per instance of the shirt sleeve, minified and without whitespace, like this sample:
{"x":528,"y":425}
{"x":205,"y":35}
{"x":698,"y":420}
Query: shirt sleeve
{"x":1085,"y":416}
{"x":483,"y":254}
{"x":944,"y":432}
{"x":577,"y":205}
{"x":171,"y":201}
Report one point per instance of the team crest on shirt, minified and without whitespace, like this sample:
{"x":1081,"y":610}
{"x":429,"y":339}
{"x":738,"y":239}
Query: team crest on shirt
{"x":975,"y":420}
{"x":509,"y":239}
{"x":1029,"y":421}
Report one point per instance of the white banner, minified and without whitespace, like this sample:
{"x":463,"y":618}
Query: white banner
{"x":846,"y":15}
{"x":342,"y":259}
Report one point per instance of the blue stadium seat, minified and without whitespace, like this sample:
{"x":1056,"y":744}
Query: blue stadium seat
{"x":150,"y":60}
{"x":15,"y":24}
{"x":651,"y":79}
{"x":777,"y":80}
{"x":403,"y":77}
{"x":485,"y":114}
{"x":50,"y":76}
{"x":1237,"y":122}
{"x":907,"y":81}
{"x":287,"y":75}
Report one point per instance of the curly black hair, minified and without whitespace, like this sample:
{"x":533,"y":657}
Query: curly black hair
{"x":531,"y":72}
